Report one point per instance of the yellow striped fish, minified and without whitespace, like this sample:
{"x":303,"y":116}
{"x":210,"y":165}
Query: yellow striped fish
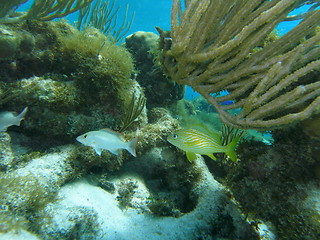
{"x":194,"y":142}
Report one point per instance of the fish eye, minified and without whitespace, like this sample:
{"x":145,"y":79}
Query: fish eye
{"x":85,"y":136}
{"x":175,"y":136}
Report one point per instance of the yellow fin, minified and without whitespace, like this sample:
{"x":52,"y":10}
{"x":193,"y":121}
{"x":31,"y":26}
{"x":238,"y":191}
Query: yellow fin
{"x":216,"y":135}
{"x":212,"y":156}
{"x":231,"y":149}
{"x":191,"y":156}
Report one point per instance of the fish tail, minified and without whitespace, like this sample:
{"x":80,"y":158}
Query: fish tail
{"x":132,"y":147}
{"x":231,"y":147}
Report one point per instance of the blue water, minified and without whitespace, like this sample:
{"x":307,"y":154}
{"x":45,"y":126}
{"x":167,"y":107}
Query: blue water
{"x":148,"y":14}
{"x":151,"y":13}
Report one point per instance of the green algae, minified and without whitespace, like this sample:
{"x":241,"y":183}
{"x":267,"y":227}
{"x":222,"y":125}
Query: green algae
{"x":84,"y":82}
{"x":102,"y":66}
{"x":22,"y":194}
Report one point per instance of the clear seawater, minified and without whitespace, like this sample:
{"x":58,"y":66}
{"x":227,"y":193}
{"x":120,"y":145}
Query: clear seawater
{"x":151,"y":13}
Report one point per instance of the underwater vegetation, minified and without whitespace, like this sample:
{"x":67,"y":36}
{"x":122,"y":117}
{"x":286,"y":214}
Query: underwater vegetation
{"x":214,"y":48}
{"x":275,"y":179}
{"x":283,"y":181}
{"x":273,"y":83}
{"x":29,"y":188}
{"x":126,"y":192}
{"x":247,"y":184}
{"x":135,"y":109}
{"x":39,"y":10}
{"x":14,"y":43}
{"x":102,"y":15}
{"x":83,"y":82}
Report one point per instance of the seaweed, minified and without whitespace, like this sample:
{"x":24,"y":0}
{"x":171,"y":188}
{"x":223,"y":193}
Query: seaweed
{"x":135,"y":109}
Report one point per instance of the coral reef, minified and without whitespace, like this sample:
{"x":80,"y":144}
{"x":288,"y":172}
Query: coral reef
{"x":276,"y":177}
{"x":13,"y":44}
{"x":154,"y":134}
{"x":75,"y":222}
{"x":212,"y":207}
{"x":52,"y":196}
{"x":72,"y":82}
{"x":6,"y":154}
{"x":281,"y":178}
{"x":28,"y":189}
{"x":83,"y":83}
{"x":311,"y":127}
{"x":126,"y":191}
{"x":159,"y":89}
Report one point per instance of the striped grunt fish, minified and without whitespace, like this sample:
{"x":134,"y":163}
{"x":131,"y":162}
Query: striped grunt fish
{"x":194,"y":142}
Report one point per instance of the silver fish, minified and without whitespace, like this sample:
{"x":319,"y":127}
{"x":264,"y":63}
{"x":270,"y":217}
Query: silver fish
{"x":108,"y":140}
{"x":8,"y":119}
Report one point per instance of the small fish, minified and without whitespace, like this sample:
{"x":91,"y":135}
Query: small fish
{"x":194,"y":142}
{"x":108,"y":140}
{"x":8,"y":119}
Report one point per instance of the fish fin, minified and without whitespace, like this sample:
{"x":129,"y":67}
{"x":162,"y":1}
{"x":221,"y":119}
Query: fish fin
{"x":98,"y":150}
{"x":23,"y":113}
{"x":110,"y":131}
{"x":132,"y":147}
{"x":212,"y":156}
{"x":215,"y":134}
{"x":115,"y":152}
{"x":231,"y":147}
{"x":21,"y":116}
{"x":191,"y":156}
